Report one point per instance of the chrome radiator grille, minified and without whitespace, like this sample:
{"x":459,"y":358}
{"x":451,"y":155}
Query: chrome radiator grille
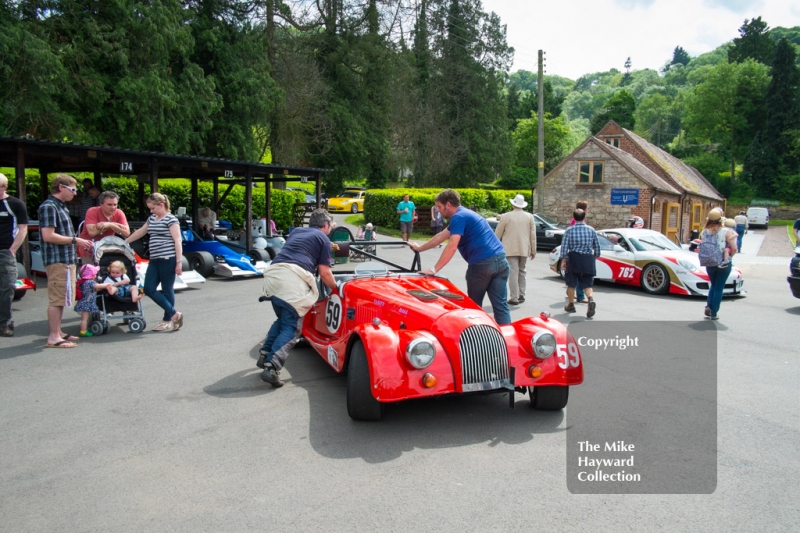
{"x":484,"y":359}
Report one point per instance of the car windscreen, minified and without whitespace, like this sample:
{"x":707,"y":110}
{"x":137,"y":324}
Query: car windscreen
{"x":654,"y":242}
{"x":349,"y":195}
{"x":547,"y":220}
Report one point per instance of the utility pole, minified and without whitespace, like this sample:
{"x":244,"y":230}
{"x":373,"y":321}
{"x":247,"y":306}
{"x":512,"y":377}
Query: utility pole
{"x":540,"y":150}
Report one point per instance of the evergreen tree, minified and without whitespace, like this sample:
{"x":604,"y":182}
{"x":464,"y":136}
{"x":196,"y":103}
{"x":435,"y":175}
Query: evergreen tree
{"x":680,"y":57}
{"x":753,"y":42}
{"x":620,"y":108}
{"x":760,"y":167}
{"x":783,"y":103}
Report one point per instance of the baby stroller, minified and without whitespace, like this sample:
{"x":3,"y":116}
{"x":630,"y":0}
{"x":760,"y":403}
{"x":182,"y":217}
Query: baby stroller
{"x":365,"y":233}
{"x":115,"y":307}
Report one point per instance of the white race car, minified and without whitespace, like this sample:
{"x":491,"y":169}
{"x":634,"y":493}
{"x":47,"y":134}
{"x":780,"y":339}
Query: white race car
{"x":647,"y":258}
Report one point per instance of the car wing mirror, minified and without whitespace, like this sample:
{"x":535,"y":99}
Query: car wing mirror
{"x":618,"y":248}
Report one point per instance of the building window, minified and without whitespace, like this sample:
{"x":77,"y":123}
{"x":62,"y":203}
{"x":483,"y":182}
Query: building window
{"x":613,"y":142}
{"x":590,"y":172}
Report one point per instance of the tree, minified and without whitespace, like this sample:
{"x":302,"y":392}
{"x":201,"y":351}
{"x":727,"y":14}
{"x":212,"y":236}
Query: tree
{"x":626,"y":78}
{"x":557,"y":136}
{"x":726,"y":106}
{"x":620,"y":108}
{"x":753,"y":42}
{"x":658,"y":118}
{"x":782,"y":103}
{"x":680,"y":57}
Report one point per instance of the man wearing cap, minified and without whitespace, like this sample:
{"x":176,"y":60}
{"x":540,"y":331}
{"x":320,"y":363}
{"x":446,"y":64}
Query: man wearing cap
{"x":470,"y":234}
{"x":407,"y":211}
{"x":517,"y":232}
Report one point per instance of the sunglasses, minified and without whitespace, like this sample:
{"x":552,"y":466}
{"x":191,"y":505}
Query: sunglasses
{"x":73,"y":189}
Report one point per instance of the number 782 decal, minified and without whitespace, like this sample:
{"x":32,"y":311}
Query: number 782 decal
{"x":568,"y":356}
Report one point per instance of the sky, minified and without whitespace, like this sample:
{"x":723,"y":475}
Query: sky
{"x":584,"y":36}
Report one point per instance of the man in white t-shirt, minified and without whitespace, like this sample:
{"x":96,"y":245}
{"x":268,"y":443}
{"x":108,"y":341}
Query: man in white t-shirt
{"x":206,"y":222}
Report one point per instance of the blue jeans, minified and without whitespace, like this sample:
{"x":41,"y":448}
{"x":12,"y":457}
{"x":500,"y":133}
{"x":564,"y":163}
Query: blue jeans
{"x":740,"y":229}
{"x":283,"y":334}
{"x":162,"y":271}
{"x":8,"y":280}
{"x":490,"y":277}
{"x":717,"y":278}
{"x":580,"y":294}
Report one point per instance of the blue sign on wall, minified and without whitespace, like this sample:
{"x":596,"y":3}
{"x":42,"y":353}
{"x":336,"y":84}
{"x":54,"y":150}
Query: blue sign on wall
{"x":624,"y":196}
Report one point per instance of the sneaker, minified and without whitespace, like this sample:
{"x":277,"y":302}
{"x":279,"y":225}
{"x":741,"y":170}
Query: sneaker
{"x":569,"y":308}
{"x":707,"y":311}
{"x":521,"y":299}
{"x":513,"y":302}
{"x":724,"y":264}
{"x":713,"y":318}
{"x":10,"y":325}
{"x":86,"y":333}
{"x":262,"y":360}
{"x":583,"y":301}
{"x":271,"y":376}
{"x":6,"y":331}
{"x":591,"y":310}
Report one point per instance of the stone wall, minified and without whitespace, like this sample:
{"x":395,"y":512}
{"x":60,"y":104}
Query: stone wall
{"x":787,"y":212}
{"x":562,"y":190}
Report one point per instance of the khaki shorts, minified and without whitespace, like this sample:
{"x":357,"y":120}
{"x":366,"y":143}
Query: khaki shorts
{"x":406,"y":227}
{"x":57,"y":284}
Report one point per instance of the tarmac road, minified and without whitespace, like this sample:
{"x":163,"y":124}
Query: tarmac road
{"x":176,"y":432}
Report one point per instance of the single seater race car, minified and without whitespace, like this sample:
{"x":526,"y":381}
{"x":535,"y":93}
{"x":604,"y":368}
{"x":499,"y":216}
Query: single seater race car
{"x":649,"y":259}
{"x":400,"y":334}
{"x":350,"y":201}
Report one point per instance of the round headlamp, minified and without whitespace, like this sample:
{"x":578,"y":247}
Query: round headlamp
{"x":543,"y":344}
{"x":420,"y":353}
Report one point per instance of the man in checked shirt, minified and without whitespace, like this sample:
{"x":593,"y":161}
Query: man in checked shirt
{"x":579,"y":248}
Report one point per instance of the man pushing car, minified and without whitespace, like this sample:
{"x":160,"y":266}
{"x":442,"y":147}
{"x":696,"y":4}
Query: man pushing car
{"x":290,"y":285}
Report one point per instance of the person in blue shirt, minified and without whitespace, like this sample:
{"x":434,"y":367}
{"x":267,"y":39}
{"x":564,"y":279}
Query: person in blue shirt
{"x":471,"y":235}
{"x":406,"y":209}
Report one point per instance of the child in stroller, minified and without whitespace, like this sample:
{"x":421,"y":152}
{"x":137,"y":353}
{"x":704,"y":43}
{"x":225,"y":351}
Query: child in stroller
{"x":119,"y":283}
{"x":117,"y":307}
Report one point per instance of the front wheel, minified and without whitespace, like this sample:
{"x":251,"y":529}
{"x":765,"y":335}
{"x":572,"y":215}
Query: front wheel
{"x":202,"y":262}
{"x":137,"y":325}
{"x":97,"y":328}
{"x":549,"y":398}
{"x":354,"y":209}
{"x":361,"y":404}
{"x":655,"y":279}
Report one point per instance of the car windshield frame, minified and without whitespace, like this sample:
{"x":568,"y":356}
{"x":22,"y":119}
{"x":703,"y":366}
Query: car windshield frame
{"x":350,"y":194}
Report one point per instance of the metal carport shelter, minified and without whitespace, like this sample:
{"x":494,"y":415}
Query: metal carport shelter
{"x":53,"y":157}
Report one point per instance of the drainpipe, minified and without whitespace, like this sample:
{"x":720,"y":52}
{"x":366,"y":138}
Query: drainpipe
{"x":680,"y":224}
{"x":652,"y":203}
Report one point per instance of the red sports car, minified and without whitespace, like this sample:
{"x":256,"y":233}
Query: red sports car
{"x":401,"y":335}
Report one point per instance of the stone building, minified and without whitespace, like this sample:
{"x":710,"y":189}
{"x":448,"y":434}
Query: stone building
{"x":621,"y":175}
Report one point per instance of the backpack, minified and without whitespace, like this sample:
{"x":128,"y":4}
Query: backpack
{"x":710,"y":251}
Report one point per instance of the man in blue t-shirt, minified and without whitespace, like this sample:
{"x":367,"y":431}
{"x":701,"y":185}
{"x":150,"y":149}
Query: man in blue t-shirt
{"x":471,"y":235}
{"x":406,"y":209}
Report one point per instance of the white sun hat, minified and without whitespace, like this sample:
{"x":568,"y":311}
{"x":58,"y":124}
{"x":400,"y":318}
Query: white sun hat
{"x":519,"y":201}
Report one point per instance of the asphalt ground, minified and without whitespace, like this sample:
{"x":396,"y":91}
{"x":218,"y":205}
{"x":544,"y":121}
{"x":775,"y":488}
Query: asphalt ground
{"x":176,"y":432}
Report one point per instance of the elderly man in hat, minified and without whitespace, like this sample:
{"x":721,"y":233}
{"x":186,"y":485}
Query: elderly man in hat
{"x":517,"y":232}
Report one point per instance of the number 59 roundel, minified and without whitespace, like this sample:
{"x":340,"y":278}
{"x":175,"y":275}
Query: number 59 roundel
{"x":333,"y":313}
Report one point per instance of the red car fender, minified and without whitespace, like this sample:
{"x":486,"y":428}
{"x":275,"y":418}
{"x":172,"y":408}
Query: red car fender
{"x":565,"y":367}
{"x":392,"y":377}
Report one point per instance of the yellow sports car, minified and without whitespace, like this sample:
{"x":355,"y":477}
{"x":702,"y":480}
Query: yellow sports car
{"x":352,"y":201}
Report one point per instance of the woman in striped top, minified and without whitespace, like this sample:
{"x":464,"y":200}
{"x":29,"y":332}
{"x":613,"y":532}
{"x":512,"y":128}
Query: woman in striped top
{"x":166,"y":254}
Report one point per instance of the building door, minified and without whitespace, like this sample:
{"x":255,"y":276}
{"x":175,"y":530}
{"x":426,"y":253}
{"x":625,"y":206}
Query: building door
{"x":697,"y":216}
{"x":673,"y":219}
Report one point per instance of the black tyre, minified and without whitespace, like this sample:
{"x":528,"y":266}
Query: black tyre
{"x":258,"y":255}
{"x":272,"y":252}
{"x":19,"y":294}
{"x":202,"y":263}
{"x":655,"y":279}
{"x":361,"y":404}
{"x":549,"y":398}
{"x":185,"y":265}
{"x":137,"y":325}
{"x":354,"y":209}
{"x":106,"y":325}
{"x":97,"y":328}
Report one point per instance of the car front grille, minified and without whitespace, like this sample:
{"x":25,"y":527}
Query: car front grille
{"x":484,"y":359}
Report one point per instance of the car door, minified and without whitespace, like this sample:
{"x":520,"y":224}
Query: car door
{"x":618,"y":260}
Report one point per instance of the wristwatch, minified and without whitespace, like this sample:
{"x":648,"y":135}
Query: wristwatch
{"x":73,"y":240}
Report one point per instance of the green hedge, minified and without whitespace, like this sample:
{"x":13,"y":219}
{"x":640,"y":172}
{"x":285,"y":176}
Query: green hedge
{"x":179,"y":193}
{"x":380,"y":206}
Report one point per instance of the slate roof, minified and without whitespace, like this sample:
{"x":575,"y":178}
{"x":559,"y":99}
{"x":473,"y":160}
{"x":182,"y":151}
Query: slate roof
{"x":637,"y":168}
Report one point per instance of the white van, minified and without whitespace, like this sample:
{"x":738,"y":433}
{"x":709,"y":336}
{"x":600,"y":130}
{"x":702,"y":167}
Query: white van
{"x":758,"y":216}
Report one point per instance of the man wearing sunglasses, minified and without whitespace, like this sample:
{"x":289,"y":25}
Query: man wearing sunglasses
{"x":59,"y":245}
